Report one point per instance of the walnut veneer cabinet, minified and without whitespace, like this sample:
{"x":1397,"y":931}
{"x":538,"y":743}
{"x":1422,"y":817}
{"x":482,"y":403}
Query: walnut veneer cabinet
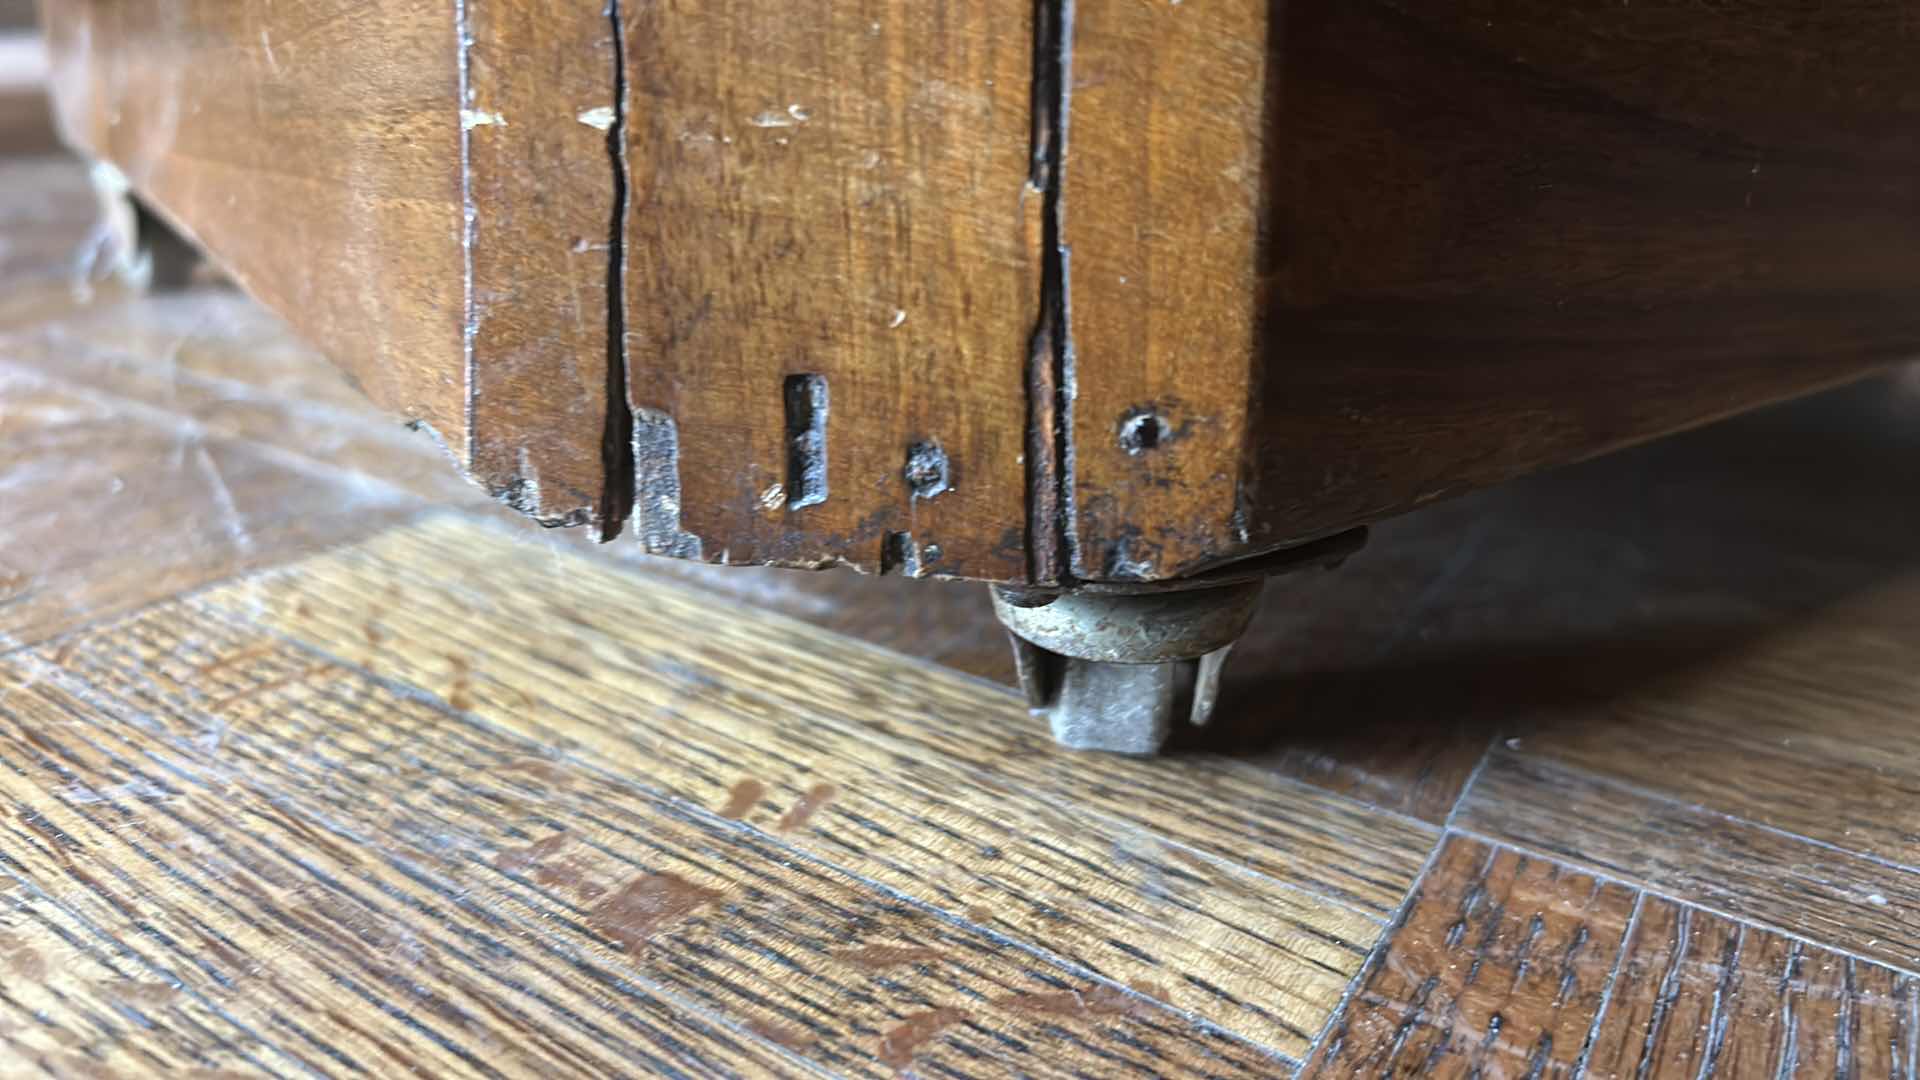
{"x":1120,"y":305}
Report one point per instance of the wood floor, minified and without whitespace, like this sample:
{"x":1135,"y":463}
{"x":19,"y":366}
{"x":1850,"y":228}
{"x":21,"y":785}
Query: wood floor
{"x":313,"y":762}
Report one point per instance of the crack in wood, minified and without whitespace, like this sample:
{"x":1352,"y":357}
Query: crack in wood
{"x":1052,"y":555}
{"x":617,"y":440}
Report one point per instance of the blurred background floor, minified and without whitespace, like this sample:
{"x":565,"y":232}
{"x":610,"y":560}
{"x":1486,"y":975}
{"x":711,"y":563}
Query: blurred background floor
{"x":312,"y":760}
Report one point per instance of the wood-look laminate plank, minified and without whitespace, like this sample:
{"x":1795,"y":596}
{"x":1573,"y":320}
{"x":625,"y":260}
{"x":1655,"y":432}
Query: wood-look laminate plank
{"x":1808,"y":729}
{"x":104,"y":508}
{"x":1499,"y":966}
{"x":405,"y":882}
{"x":1850,"y":902}
{"x":1698,"y":995}
{"x":1253,"y":916}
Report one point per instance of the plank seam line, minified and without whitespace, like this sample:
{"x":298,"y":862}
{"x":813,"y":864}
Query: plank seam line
{"x":1473,"y":778}
{"x":1603,"y":874}
{"x":1913,"y":1030}
{"x":469,"y":320}
{"x":714,"y":820}
{"x":180,"y":424}
{"x":1378,"y":954}
{"x":11,"y":647}
{"x":1668,"y":799}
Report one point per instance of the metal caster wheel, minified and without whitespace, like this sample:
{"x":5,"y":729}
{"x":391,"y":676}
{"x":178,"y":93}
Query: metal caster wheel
{"x":1115,"y":665}
{"x":1115,"y":672}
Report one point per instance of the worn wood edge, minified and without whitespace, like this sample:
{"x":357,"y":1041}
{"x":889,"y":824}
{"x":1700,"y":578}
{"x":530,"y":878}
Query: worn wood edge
{"x":1658,"y":893}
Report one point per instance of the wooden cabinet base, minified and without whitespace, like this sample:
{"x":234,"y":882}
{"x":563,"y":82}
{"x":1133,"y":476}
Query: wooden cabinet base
{"x":1052,"y":295}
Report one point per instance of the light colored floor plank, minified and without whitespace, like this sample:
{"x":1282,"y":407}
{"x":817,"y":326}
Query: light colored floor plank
{"x":102,"y":511}
{"x":934,"y":785}
{"x":400,"y":881}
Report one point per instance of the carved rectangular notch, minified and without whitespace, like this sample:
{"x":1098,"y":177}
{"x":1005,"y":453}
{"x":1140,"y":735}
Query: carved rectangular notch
{"x":806,"y":440}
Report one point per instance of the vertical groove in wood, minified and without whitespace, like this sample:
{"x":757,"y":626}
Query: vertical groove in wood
{"x":1580,"y":1065}
{"x":1051,"y":378}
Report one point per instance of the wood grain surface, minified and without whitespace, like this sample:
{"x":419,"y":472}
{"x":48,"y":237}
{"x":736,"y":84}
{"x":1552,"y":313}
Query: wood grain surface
{"x":877,"y":770}
{"x":313,"y":760}
{"x":1477,"y":207}
{"x":1505,"y":965}
{"x":1498,"y":967}
{"x":313,"y":149}
{"x":1851,"y":900}
{"x":840,"y":191}
{"x":541,"y":201}
{"x":1697,"y":995}
{"x":1162,"y":212}
{"x":1028,"y":291}
{"x":665,"y":920}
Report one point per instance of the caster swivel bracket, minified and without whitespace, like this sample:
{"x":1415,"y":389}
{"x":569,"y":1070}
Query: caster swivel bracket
{"x":1113,"y":666}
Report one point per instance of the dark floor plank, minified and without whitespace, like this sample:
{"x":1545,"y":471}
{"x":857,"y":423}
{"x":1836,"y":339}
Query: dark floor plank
{"x":1499,"y":968}
{"x":1699,"y":995}
{"x":1847,"y":901}
{"x":1808,"y":729}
